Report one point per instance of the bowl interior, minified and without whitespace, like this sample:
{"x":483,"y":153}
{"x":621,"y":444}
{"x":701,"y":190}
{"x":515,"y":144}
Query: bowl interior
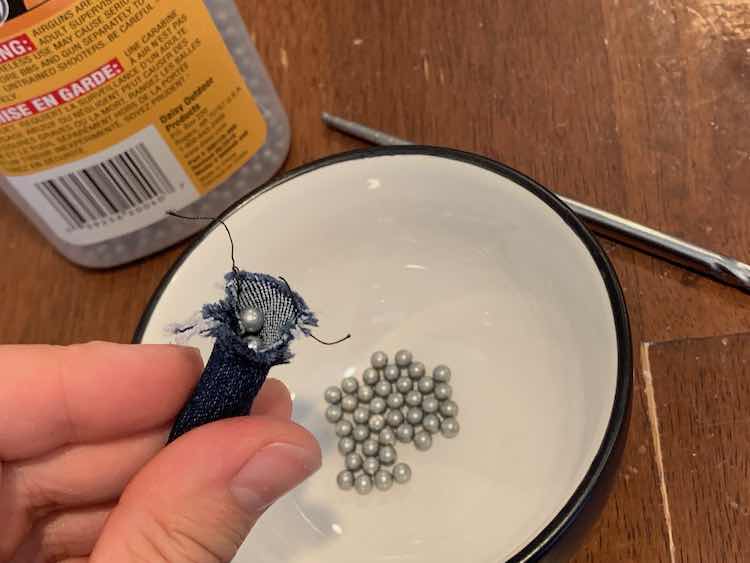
{"x":464,"y":267}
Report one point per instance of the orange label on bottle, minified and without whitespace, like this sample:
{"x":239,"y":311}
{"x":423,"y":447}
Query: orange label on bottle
{"x":81,"y":78}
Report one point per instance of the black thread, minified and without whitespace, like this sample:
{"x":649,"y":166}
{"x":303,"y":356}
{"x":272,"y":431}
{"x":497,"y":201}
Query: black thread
{"x":236,"y":270}
{"x":339,"y":341}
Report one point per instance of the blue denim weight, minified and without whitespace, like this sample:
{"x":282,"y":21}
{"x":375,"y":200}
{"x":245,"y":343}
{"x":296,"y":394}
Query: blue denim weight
{"x":234,"y":373}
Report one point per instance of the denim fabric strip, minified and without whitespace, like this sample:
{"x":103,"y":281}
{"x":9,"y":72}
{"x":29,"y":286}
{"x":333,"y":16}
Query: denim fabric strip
{"x":235,"y":373}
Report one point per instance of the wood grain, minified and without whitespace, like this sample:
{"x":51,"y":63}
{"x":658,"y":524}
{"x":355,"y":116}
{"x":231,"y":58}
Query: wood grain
{"x":701,"y":388}
{"x":636,"y":107}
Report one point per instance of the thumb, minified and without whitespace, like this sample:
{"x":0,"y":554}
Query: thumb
{"x":199,"y":497}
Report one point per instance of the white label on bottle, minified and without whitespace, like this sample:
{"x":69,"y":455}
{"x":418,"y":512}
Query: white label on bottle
{"x":114,"y":192}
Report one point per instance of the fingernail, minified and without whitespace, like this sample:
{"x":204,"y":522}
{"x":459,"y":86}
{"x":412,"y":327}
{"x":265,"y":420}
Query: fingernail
{"x":272,"y":472}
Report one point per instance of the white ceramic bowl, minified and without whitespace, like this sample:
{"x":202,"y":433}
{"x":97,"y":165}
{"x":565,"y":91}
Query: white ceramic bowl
{"x":465,"y":262}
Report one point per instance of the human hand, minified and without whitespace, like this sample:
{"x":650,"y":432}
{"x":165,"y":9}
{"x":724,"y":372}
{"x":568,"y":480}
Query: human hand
{"x":85,"y":476}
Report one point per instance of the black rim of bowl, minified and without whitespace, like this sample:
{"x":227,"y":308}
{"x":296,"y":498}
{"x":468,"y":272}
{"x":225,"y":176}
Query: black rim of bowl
{"x":564,"y":519}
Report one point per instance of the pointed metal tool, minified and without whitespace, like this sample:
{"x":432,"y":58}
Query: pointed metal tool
{"x":721,"y":268}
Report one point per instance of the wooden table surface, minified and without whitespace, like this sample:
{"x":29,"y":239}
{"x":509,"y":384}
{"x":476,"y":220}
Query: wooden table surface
{"x":640,"y":108}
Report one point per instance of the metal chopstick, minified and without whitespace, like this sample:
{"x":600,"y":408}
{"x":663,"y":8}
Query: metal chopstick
{"x":721,"y":268}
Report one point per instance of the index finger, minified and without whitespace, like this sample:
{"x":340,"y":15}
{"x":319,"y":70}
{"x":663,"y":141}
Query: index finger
{"x":52,"y":396}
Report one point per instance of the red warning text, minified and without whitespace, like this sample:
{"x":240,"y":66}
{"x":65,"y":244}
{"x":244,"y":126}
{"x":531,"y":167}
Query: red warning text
{"x":16,"y":47}
{"x":64,"y":94}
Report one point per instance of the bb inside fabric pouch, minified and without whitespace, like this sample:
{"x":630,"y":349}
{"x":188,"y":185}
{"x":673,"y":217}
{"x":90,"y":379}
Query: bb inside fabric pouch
{"x":241,"y":359}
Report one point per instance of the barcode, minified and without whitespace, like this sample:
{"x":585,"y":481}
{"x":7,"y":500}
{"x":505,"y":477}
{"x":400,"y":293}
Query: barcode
{"x":116,"y":191}
{"x":124,"y":184}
